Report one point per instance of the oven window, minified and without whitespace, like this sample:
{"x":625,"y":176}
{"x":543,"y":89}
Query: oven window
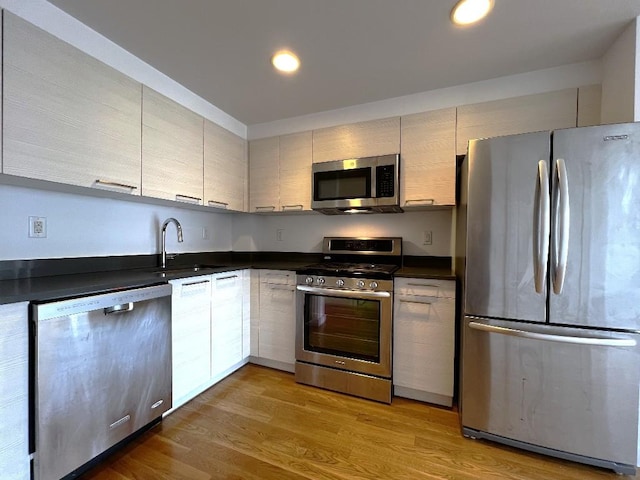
{"x":342,"y":326}
{"x":342,"y":184}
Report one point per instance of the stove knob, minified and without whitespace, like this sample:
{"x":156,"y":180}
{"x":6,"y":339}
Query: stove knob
{"x":373,"y":285}
{"x":360,"y":283}
{"x":321,"y":280}
{"x":308,"y":280}
{"x":340,"y":282}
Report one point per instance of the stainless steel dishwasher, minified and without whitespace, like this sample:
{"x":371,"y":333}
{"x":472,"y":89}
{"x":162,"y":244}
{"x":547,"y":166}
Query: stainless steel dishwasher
{"x":102,"y":371}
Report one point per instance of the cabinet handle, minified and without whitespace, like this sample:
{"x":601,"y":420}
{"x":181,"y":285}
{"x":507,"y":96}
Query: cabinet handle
{"x":269,"y":208}
{"x":195,"y":283}
{"x":423,"y":285}
{"x":114,"y":184}
{"x":420,"y":201}
{"x":226,"y":278}
{"x":292,"y":207}
{"x":215,"y":203}
{"x":188,"y":199}
{"x":280,"y":287}
{"x":414,"y":301}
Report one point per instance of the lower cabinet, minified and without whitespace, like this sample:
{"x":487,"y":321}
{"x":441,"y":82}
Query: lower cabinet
{"x":191,"y":337}
{"x":14,"y":391}
{"x":226,"y":323}
{"x":276,"y":320}
{"x":424,"y":339}
{"x":208,"y":331}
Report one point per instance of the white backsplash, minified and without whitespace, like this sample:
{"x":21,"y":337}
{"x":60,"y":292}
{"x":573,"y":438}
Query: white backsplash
{"x":304,"y":232}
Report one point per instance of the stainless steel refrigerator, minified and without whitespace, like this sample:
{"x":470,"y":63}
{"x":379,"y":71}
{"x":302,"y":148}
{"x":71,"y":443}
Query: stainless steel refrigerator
{"x":551,"y":293}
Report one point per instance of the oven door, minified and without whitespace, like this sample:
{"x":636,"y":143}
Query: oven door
{"x":344,"y":329}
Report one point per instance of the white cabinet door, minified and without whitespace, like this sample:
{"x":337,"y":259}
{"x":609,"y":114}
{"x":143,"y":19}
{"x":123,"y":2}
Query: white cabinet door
{"x":424,"y":339}
{"x":428,"y":158}
{"x":363,"y":139}
{"x":264,"y":176}
{"x":14,"y":391}
{"x":226,"y":169}
{"x":190,"y":337}
{"x":246,"y":314}
{"x":68,"y":118}
{"x":172,"y":151}
{"x":277,"y":316}
{"x":295,"y":172}
{"x":226,"y":322}
{"x":529,"y":113}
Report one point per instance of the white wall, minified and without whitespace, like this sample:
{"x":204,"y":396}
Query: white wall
{"x":79,"y":226}
{"x":304,"y":232}
{"x":619,"y":77}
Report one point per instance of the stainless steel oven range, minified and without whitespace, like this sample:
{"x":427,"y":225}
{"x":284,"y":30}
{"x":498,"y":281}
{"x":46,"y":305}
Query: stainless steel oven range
{"x":344,"y":317}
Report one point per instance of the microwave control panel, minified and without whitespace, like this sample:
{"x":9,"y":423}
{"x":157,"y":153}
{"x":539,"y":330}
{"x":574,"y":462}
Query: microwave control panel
{"x":385,"y":183}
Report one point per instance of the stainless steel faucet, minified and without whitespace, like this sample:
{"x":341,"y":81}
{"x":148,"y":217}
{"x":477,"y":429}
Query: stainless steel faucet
{"x":163,"y":263}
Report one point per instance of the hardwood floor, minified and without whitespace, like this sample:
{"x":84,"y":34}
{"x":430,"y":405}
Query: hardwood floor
{"x":258,"y":424}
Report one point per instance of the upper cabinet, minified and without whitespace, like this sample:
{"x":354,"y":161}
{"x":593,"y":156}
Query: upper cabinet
{"x":428,"y":158}
{"x":264,"y":177}
{"x":172,"y":150}
{"x":67,"y":117}
{"x":530,"y":113}
{"x":363,"y":139}
{"x":295,"y":171}
{"x":225,"y":168}
{"x":280,"y":173}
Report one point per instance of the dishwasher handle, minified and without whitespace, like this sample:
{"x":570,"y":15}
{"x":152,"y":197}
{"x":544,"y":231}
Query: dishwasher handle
{"x":122,"y":308}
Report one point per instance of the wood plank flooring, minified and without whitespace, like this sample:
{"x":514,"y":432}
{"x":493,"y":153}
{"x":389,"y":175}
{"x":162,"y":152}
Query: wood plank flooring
{"x":258,"y":424}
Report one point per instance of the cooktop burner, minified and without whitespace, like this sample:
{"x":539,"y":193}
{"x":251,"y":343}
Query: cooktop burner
{"x":375,"y":258}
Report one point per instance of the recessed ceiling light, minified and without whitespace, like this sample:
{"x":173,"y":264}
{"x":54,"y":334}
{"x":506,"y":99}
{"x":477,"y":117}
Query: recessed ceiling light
{"x":285,"y":61}
{"x":467,"y":12}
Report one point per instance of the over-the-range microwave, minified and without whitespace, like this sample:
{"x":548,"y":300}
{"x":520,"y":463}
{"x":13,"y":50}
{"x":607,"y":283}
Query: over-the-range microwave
{"x":357,"y":185}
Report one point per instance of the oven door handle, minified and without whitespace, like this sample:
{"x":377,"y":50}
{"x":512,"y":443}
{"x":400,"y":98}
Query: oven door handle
{"x":342,"y":293}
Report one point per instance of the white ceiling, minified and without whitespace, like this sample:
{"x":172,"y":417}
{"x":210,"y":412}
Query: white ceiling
{"x":352,"y":51}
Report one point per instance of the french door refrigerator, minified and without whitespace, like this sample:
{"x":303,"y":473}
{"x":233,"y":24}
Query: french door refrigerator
{"x":551,"y":294}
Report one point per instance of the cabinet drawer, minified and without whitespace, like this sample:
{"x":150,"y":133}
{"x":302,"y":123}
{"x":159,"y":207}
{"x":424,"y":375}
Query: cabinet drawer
{"x":282,"y":277}
{"x":425,"y":287}
{"x":192,"y":287}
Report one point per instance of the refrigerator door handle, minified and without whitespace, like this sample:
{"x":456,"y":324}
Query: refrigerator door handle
{"x":560,"y":245}
{"x":541,"y":227}
{"x":599,"y":341}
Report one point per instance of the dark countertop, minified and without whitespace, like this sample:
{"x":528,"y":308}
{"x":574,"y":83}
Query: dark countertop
{"x":46,"y":280}
{"x":442,"y":273}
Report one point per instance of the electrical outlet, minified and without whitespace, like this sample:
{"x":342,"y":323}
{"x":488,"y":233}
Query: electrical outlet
{"x":428,"y":237}
{"x":37,"y":227}
{"x":279,"y":233}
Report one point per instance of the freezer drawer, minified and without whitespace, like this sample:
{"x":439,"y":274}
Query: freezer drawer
{"x":570,"y":397}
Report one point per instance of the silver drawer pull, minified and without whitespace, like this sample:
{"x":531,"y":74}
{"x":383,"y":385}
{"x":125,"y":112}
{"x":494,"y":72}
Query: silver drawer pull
{"x":275,"y":286}
{"x":125,"y":307}
{"x":157,"y":404}
{"x":107,"y":183}
{"x":117,"y":423}
{"x":215,"y":203}
{"x":414,"y":301}
{"x":194,"y":283}
{"x":188,"y":199}
{"x":268,"y":208}
{"x":423,"y":285}
{"x":226,"y":278}
{"x":292,"y":207}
